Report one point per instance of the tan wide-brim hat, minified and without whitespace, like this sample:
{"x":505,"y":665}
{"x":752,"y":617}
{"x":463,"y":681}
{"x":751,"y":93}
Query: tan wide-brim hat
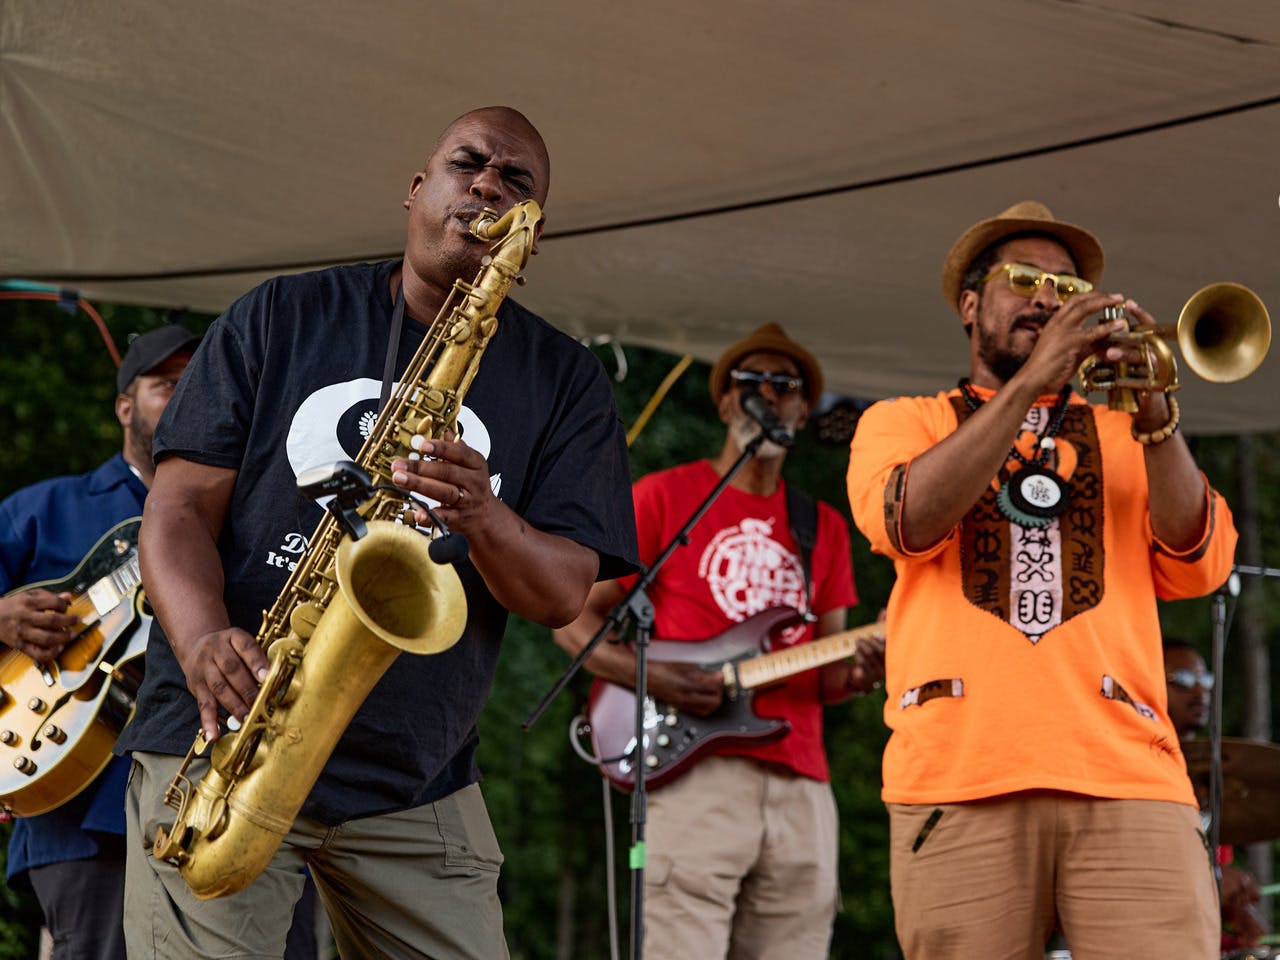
{"x":1025,"y":217}
{"x":769,"y":338}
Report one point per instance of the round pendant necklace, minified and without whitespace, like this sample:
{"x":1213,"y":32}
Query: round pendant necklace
{"x":1034,"y":495}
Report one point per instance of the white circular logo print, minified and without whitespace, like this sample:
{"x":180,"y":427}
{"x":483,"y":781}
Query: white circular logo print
{"x":748,"y":570}
{"x":334,"y":422}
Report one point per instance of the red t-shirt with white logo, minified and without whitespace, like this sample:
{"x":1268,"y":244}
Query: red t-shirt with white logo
{"x":741,"y":559}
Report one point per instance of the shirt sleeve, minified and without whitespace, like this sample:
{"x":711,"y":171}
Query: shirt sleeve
{"x":208,"y":418}
{"x":1205,"y":566}
{"x":583,"y":479}
{"x":836,"y":588}
{"x":890,"y":435}
{"x":15,"y":550}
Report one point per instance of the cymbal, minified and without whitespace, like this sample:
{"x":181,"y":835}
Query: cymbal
{"x":1250,"y":787}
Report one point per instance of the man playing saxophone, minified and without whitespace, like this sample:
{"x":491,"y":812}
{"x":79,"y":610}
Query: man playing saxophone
{"x":395,"y":831}
{"x":1033,"y":776}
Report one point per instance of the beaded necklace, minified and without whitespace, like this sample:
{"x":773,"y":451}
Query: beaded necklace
{"x":1034,"y":496}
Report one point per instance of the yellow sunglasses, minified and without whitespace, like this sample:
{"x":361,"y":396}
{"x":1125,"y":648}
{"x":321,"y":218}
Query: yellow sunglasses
{"x":1025,"y":280}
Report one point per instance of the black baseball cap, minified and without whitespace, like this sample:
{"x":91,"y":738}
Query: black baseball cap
{"x":148,"y":350}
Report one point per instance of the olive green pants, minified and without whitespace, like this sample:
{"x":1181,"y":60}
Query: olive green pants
{"x":412,"y":884}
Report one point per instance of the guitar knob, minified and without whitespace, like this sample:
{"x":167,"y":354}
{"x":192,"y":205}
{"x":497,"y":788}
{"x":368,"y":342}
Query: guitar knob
{"x":9,"y":738}
{"x":55,"y":733}
{"x":652,"y":762}
{"x":24,"y":765}
{"x":671,"y":720}
{"x":663,"y":740}
{"x":36,"y":705}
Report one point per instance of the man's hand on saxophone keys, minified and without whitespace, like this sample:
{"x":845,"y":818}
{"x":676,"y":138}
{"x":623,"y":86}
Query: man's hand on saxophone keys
{"x":450,"y":473}
{"x":223,"y":669}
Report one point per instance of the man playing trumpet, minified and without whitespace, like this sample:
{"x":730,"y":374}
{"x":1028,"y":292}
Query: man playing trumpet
{"x":1033,"y":777}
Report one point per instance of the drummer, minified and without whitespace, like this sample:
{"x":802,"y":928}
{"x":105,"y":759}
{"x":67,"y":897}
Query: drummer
{"x":1189,"y":683}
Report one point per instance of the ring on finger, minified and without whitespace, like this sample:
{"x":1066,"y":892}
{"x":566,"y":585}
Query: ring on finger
{"x":458,"y":494}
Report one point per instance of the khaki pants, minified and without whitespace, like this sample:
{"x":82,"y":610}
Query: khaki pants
{"x":417,"y":883}
{"x":991,"y":878}
{"x":741,"y":863}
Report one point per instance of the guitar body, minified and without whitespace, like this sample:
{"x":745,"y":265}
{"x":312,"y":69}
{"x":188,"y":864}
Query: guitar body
{"x":674,"y":741}
{"x":59,"y":721}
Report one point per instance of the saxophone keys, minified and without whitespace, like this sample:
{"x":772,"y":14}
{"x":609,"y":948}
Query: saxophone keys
{"x":303,"y":620}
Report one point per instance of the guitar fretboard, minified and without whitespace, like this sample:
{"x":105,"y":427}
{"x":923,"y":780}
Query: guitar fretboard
{"x":107,"y":593}
{"x":772,"y":667}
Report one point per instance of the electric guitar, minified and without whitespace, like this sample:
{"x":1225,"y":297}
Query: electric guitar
{"x":59,"y":721}
{"x":674,"y":741}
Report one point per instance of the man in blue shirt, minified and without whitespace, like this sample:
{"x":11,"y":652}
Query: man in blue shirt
{"x":73,"y":856}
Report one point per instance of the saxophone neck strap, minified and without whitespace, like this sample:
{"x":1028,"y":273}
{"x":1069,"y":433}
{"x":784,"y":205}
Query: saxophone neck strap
{"x":393,"y":348}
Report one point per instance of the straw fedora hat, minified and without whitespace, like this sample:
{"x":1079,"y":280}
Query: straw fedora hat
{"x":769,"y":338}
{"x":1028,"y":216}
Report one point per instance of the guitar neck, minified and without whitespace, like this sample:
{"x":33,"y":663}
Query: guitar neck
{"x":107,"y":592}
{"x":772,"y":667}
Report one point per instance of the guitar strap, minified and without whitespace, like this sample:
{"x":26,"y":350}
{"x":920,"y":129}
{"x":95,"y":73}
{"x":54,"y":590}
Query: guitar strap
{"x":802,"y":515}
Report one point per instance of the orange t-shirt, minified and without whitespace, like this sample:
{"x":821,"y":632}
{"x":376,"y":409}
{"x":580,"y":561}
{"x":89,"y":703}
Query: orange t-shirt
{"x":1029,"y":658}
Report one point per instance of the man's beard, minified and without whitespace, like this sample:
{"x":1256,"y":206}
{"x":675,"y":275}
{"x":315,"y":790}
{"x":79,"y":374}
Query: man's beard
{"x":141,"y":436}
{"x":1001,"y":359}
{"x":745,"y":430}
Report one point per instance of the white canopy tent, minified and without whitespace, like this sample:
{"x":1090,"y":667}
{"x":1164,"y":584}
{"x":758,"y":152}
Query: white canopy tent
{"x":716,"y":165}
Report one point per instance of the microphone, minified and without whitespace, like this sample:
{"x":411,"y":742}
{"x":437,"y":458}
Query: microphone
{"x":758,"y":409}
{"x":450,"y":546}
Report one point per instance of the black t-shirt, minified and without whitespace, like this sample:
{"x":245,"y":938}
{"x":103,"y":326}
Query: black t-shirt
{"x":289,"y":379}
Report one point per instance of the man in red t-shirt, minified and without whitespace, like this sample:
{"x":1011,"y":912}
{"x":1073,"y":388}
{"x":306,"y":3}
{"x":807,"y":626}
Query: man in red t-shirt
{"x":741,"y":848}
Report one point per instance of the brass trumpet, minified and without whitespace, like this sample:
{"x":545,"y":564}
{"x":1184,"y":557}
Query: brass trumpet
{"x":1223,"y":333}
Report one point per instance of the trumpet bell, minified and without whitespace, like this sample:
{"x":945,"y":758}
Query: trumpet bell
{"x":1224,"y":332}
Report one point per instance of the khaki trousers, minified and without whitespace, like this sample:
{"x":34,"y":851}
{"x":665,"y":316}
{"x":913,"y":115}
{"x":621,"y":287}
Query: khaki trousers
{"x":412,"y":884}
{"x":992,"y":878}
{"x":741,"y":863}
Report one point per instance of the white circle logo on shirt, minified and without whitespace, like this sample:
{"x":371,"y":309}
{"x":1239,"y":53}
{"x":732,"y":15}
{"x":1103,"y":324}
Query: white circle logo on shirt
{"x":333,"y":423}
{"x":747,"y":570}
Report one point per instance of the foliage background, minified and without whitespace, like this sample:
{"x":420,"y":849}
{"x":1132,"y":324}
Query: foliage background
{"x":56,"y":393}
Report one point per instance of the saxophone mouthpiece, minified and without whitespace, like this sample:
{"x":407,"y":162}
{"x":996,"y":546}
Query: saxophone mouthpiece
{"x":482,"y":226}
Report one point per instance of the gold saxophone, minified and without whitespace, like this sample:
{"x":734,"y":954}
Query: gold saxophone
{"x":349,"y":607}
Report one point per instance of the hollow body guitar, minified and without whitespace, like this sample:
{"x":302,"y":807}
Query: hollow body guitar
{"x":59,"y":721}
{"x":674,"y":741}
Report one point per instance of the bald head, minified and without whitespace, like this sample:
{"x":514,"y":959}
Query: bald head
{"x":510,"y":119}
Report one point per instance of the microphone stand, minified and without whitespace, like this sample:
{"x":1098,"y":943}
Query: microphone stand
{"x":635,"y":607}
{"x":1230,"y":588}
{"x":1264,"y":572}
{"x":1217,"y":645}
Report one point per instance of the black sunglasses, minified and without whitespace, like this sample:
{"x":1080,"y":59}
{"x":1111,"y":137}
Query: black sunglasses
{"x":781,"y":382}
